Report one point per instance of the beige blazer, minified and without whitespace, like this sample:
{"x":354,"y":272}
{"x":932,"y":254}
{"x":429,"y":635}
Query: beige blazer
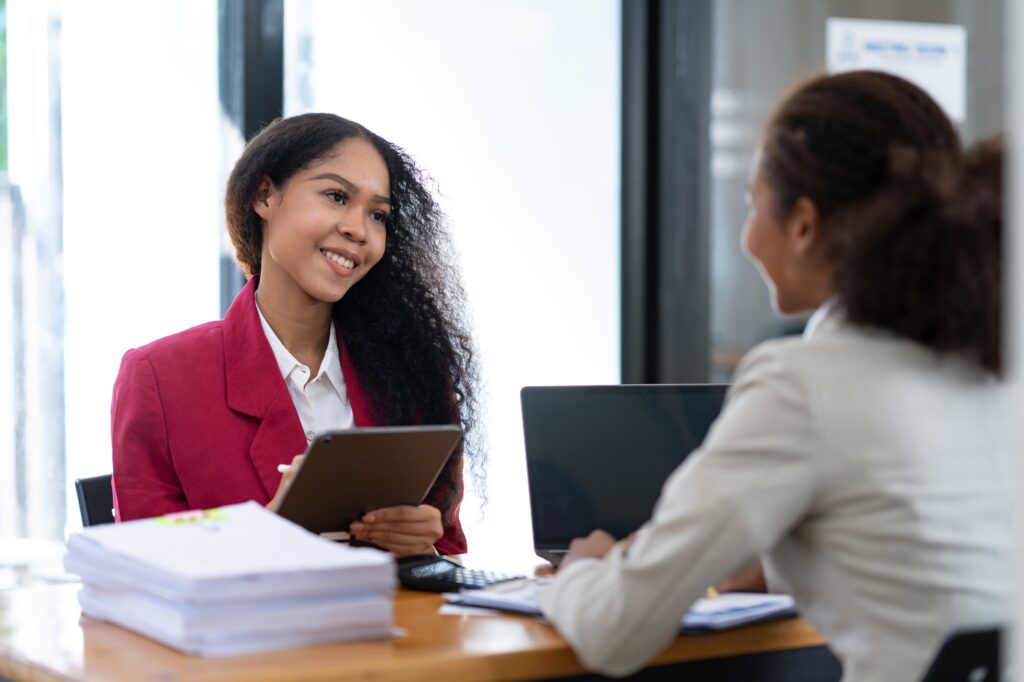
{"x":871,"y":475}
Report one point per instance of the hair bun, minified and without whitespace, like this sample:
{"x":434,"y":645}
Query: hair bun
{"x":922,"y":257}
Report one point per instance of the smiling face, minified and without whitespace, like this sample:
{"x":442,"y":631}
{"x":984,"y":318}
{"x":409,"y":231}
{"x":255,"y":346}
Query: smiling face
{"x":324,"y":229}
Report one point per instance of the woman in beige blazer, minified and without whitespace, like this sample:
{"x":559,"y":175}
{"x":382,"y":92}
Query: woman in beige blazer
{"x":864,"y":463}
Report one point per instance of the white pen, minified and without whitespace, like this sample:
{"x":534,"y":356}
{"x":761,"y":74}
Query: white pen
{"x":281,"y":468}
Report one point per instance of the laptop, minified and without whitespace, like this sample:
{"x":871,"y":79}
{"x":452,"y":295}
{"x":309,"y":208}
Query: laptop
{"x":597,"y":456}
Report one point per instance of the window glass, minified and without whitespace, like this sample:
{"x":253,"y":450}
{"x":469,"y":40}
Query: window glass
{"x":115,"y":126}
{"x":514,"y":108}
{"x":143,"y":183}
{"x":762,"y":48}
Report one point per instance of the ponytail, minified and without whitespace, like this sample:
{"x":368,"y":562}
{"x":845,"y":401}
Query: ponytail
{"x":922,"y":257}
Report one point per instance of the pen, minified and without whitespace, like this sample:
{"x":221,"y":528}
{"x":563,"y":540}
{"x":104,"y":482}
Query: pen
{"x":281,"y":468}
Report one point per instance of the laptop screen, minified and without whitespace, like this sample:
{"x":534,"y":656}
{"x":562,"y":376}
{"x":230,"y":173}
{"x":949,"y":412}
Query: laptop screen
{"x":597,"y":456}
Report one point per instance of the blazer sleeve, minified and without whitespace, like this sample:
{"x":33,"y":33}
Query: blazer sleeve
{"x":747,"y":486}
{"x":145,"y":482}
{"x":446,"y":495}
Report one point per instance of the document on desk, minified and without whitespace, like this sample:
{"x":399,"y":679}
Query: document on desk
{"x":722,"y":612}
{"x":232,"y":580}
{"x":222,"y":555}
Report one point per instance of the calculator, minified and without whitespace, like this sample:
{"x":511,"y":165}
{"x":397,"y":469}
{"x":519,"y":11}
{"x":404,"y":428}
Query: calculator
{"x":439,"y":574}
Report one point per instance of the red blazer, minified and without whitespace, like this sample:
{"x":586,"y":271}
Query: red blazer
{"x":202,"y":418}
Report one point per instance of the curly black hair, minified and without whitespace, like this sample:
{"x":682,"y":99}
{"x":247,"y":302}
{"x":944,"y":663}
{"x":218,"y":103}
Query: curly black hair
{"x":912,"y":225}
{"x":404,"y":325}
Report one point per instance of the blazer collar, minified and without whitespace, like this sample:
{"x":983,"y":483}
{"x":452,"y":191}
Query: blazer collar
{"x":362,"y":413}
{"x":253,"y":377}
{"x":825,"y":319}
{"x":254,"y":381}
{"x":256,"y":388}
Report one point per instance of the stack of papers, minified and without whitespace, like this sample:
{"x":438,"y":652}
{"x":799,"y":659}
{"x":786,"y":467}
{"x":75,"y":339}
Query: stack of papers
{"x":732,"y":609}
{"x":231,"y":580}
{"x":725,"y":611}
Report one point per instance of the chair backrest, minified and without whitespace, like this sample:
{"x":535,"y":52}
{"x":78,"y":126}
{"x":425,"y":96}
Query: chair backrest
{"x":967,"y":656}
{"x":95,"y":500}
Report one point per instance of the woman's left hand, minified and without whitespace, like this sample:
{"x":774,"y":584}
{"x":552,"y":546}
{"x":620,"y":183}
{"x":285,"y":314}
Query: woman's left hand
{"x":594,"y":546}
{"x":403,"y":531}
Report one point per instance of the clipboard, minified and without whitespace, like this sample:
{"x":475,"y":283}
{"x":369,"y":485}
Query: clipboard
{"x":348,"y":473}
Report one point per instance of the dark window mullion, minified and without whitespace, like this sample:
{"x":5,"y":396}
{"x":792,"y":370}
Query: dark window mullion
{"x":251,"y":83}
{"x":665,"y":186}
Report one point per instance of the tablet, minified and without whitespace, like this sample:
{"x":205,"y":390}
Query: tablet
{"x":348,"y":473}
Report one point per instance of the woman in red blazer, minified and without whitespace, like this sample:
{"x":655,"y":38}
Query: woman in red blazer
{"x":344,"y":248}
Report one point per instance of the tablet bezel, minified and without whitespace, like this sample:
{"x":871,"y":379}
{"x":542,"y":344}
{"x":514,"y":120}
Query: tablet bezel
{"x":348,"y":473}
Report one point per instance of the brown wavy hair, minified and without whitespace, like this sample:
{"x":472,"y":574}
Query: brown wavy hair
{"x":923,"y":257}
{"x":912,"y":224}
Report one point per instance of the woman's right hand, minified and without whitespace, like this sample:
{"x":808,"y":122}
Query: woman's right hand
{"x":285,"y":478}
{"x":594,"y":546}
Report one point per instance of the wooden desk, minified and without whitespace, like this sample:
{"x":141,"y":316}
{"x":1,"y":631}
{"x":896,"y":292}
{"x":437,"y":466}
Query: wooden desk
{"x":43,"y":637}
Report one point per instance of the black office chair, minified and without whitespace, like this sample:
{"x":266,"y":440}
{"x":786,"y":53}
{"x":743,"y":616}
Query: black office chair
{"x":967,"y":656}
{"x":95,"y":500}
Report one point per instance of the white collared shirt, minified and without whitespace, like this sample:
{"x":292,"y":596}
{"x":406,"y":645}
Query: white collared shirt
{"x":818,"y":316}
{"x":322,"y":402}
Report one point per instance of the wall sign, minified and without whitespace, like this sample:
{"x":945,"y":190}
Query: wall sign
{"x":933,"y":56}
